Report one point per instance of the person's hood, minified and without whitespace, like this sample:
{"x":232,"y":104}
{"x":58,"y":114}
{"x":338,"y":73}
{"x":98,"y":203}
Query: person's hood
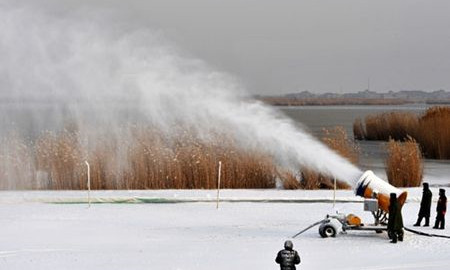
{"x":288,"y":245}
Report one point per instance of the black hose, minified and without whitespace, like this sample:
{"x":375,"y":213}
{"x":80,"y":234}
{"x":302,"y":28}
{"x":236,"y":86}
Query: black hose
{"x":309,"y":227}
{"x":426,"y":234}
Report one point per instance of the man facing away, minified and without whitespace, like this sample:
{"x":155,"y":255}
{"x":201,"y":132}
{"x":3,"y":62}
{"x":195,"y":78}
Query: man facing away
{"x":287,"y":258}
{"x":425,"y":206}
{"x":395,"y":221}
{"x":441,"y":209}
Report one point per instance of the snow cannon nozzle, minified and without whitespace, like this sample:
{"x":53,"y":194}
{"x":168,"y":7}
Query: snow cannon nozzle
{"x":371,"y":186}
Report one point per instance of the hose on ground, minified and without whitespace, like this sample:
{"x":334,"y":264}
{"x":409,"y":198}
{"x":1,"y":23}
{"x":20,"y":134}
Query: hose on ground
{"x":426,"y":234}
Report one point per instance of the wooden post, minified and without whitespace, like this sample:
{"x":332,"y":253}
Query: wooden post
{"x":334,"y":193}
{"x":88,"y":182}
{"x":218,"y":184}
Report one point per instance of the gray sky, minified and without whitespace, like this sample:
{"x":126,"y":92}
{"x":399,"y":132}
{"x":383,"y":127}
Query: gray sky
{"x":278,"y":46}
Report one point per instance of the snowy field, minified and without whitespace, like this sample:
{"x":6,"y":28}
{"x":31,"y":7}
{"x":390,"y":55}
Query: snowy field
{"x":195,"y":235}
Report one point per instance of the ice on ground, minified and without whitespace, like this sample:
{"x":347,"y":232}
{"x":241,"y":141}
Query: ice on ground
{"x":197,"y":236}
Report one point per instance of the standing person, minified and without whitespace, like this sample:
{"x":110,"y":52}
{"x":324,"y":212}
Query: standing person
{"x":425,"y":206}
{"x":441,"y":209}
{"x":395,"y":222}
{"x":287,"y":258}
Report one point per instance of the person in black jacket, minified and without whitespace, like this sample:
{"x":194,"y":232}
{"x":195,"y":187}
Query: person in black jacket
{"x":395,"y":221}
{"x":287,"y":258}
{"x":425,"y":206}
{"x":441,"y":209}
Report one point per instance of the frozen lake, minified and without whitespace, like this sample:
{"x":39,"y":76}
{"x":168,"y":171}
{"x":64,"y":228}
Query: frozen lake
{"x":373,"y":153}
{"x":196,"y":236}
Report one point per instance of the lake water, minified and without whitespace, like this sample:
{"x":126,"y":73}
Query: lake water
{"x":373,"y":153}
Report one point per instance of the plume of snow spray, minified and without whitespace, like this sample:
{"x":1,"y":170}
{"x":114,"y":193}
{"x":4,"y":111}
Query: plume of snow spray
{"x":54,"y":70}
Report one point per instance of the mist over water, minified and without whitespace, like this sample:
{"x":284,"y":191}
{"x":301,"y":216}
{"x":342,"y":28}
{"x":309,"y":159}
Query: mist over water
{"x":63,"y":73}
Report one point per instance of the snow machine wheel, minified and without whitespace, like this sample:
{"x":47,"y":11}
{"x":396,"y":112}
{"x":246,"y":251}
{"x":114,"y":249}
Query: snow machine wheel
{"x":327,"y":231}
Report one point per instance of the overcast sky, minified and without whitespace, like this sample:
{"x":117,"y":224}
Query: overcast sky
{"x":280,"y":46}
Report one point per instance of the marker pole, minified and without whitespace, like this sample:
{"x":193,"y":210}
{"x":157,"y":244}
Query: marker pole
{"x":334,"y":193}
{"x":88,"y":182}
{"x":218,"y":184}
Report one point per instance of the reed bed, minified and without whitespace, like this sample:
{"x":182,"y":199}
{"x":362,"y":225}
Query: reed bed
{"x":430,"y":130}
{"x":308,"y":178}
{"x":337,"y":139}
{"x":359,"y":132}
{"x":395,"y":125}
{"x":312,"y":179}
{"x":143,"y":159}
{"x":16,"y":164}
{"x":404,"y":166}
{"x":434,"y":133}
{"x":292,"y":181}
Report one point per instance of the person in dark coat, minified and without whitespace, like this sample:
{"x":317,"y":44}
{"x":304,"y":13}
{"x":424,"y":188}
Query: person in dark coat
{"x":287,"y":258}
{"x":425,"y":206}
{"x":441,"y":209}
{"x":395,"y":221}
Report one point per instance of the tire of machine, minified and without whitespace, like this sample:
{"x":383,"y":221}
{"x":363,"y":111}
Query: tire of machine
{"x":327,"y":230}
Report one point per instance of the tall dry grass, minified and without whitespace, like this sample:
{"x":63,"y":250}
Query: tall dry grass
{"x":312,"y":179}
{"x":308,"y":178}
{"x":396,"y":125}
{"x":434,"y":133}
{"x":404,"y":166}
{"x":358,"y":129}
{"x":144,"y":159}
{"x":290,"y":180}
{"x":337,"y":139}
{"x":431,"y":130}
{"x":16,"y":164}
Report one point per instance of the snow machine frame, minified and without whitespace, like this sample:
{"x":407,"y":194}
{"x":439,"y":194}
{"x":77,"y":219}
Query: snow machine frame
{"x":333,"y":224}
{"x":329,"y":227}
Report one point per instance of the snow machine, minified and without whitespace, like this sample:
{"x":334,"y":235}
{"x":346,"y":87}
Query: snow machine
{"x":341,"y":223}
{"x":376,"y":194}
{"x":370,"y":186}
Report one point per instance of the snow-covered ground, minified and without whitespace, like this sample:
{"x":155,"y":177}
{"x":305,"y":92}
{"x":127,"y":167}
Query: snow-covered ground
{"x":239,"y":235}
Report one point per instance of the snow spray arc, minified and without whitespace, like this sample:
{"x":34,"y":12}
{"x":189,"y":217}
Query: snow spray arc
{"x":54,"y":70}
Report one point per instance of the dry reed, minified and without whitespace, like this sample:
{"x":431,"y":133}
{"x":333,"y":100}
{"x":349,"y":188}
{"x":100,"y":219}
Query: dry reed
{"x":308,"y":178}
{"x":311,"y":179}
{"x":16,"y":164}
{"x":431,"y":130}
{"x":338,"y":140}
{"x":144,"y":159}
{"x":404,"y":166}
{"x":396,"y":125}
{"x":358,"y":130}
{"x":434,"y":133}
{"x":290,"y":181}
